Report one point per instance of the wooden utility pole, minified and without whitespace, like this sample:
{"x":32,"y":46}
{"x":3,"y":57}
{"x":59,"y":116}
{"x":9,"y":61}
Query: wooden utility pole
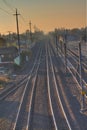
{"x":30,"y":30}
{"x":9,"y":36}
{"x":16,"y":14}
{"x":65,"y":49}
{"x":57,"y":43}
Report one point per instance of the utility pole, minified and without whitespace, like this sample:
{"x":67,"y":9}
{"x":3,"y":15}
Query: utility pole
{"x":80,"y":72}
{"x":9,"y":33}
{"x":9,"y":38}
{"x":56,"y":43}
{"x":16,"y":14}
{"x":30,"y":31}
{"x":56,"y":40}
{"x":65,"y":49}
{"x":65,"y":53}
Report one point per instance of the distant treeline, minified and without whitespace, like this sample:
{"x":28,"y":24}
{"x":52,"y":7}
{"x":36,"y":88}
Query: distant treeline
{"x":12,"y":39}
{"x":2,"y":42}
{"x":71,"y":34}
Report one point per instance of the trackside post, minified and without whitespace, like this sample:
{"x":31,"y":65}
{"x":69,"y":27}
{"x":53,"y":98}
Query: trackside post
{"x":80,"y":72}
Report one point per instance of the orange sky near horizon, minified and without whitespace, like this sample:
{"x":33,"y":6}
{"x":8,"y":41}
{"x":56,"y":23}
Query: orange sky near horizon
{"x":46,"y":15}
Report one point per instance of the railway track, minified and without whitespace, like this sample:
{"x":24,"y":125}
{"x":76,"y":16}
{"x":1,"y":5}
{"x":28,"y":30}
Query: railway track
{"x":74,"y":61}
{"x":56,"y":101}
{"x":11,"y":89}
{"x":44,"y":104}
{"x":10,"y":94}
{"x":71,"y":92}
{"x":75,"y":57}
{"x":57,"y":120}
{"x":73,"y":66}
{"x":62,"y":92}
{"x":41,"y":117}
{"x":31,"y":113}
{"x":22,"y":118}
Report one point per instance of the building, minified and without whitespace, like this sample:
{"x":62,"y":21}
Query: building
{"x":7,"y":54}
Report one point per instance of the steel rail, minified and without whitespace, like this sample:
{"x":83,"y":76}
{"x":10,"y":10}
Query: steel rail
{"x":58,"y":95}
{"x":21,"y":102}
{"x":49,"y":95}
{"x":32,"y":94}
{"x":61,"y":55}
{"x":74,"y":54}
{"x":73,"y":68}
{"x":10,"y":90}
{"x":7,"y":93}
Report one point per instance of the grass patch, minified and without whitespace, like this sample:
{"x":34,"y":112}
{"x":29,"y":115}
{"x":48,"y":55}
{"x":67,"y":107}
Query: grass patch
{"x":3,"y":81}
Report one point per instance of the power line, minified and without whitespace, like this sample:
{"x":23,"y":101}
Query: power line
{"x":12,"y":9}
{"x":24,"y":21}
{"x":23,"y":26}
{"x":9,"y":5}
{"x":23,"y":18}
{"x":5,"y":11}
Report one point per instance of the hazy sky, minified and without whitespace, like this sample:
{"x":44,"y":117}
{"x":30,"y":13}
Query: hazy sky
{"x":45,"y":14}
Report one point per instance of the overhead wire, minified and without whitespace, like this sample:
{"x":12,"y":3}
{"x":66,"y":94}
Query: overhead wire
{"x":23,"y":23}
{"x":22,"y":17}
{"x":12,"y":8}
{"x":5,"y":11}
{"x":9,"y":5}
{"x":23,"y":20}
